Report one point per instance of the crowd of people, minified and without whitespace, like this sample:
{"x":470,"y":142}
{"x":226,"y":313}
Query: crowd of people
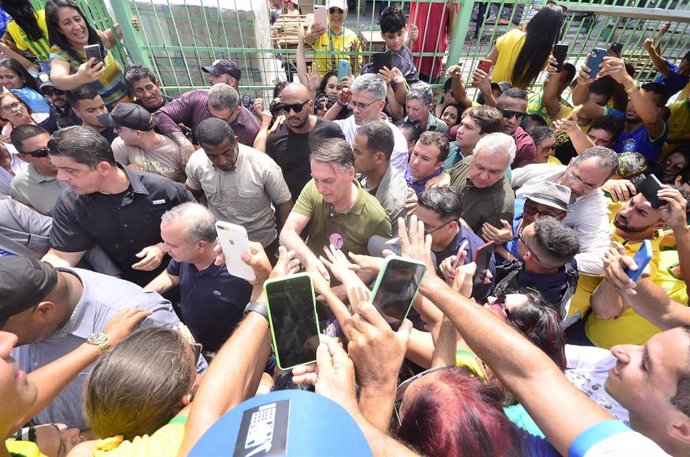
{"x":124,"y":332}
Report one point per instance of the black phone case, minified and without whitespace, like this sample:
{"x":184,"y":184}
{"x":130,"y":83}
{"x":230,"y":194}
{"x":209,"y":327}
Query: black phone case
{"x":381,"y":59}
{"x":649,"y":187}
{"x":560,"y":51}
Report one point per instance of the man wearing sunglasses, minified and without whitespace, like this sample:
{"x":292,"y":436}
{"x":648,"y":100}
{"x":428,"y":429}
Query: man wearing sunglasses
{"x":61,"y":113}
{"x":291,"y":144}
{"x":513,"y":104}
{"x":37,"y":186}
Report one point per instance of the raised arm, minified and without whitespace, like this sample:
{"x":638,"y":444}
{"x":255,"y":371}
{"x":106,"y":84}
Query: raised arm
{"x":657,"y":60}
{"x":458,"y":87}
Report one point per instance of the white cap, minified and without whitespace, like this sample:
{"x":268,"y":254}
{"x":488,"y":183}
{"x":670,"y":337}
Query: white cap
{"x":342,"y":4}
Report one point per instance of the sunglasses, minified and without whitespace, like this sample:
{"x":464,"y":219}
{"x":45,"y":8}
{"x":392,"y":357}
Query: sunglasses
{"x":43,"y":152}
{"x":509,"y":114}
{"x":296,"y":107}
{"x":50,"y":91}
{"x":501,"y":301}
{"x":531,"y":209}
{"x":405,"y":384}
{"x":528,"y":248}
{"x":334,"y":10}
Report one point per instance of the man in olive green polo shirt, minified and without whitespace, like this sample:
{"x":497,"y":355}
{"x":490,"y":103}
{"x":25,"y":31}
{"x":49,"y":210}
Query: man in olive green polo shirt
{"x":336,"y":208}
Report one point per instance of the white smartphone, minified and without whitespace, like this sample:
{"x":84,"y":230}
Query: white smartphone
{"x":321,"y":15}
{"x":235,"y":242}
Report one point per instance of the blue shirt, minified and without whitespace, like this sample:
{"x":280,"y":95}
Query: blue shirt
{"x":673,"y":82}
{"x":212,"y":301}
{"x":103,"y":297}
{"x":36,"y":101}
{"x":418,"y":186}
{"x":638,"y":140}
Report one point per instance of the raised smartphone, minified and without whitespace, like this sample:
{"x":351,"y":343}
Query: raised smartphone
{"x":596,"y":57}
{"x":485,"y":65}
{"x":616,"y":48}
{"x":482,"y":257}
{"x":234,"y":242}
{"x":321,"y":15}
{"x":649,"y":187}
{"x":93,"y":50}
{"x":380,"y":60}
{"x":343,"y":69}
{"x":293,"y":319}
{"x":642,"y":258}
{"x":396,"y":287}
{"x":560,"y":52}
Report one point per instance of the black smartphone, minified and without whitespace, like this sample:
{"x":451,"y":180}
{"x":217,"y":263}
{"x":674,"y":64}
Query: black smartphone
{"x":93,"y":50}
{"x":380,"y":60}
{"x":616,"y":48}
{"x":596,"y":57}
{"x":396,"y":287}
{"x":293,"y":320}
{"x":560,"y":52}
{"x":649,"y":186}
{"x":482,"y":257}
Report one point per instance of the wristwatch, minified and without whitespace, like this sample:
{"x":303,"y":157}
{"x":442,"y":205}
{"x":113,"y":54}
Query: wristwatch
{"x":257,"y":307}
{"x":99,"y":339}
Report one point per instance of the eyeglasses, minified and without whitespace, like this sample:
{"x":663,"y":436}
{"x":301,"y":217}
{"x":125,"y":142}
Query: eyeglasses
{"x":551,"y":147}
{"x":403,"y":387}
{"x":429,"y":232}
{"x":335,"y":10}
{"x":13,"y":107}
{"x":360,"y":106}
{"x":522,"y":229}
{"x":587,"y":187}
{"x":531,"y":209}
{"x":50,"y":91}
{"x":43,"y":152}
{"x":296,"y":107}
{"x":509,"y":114}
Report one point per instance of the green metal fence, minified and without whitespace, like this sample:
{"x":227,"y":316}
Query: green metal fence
{"x":178,"y":36}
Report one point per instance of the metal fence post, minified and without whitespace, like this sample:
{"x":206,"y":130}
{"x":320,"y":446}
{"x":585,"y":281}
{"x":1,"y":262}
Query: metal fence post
{"x":462,"y":25}
{"x":135,"y":44}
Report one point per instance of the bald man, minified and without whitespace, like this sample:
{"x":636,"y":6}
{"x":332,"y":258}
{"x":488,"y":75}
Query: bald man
{"x":291,"y":144}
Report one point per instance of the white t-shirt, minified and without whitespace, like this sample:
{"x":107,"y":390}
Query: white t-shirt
{"x":399,"y":157}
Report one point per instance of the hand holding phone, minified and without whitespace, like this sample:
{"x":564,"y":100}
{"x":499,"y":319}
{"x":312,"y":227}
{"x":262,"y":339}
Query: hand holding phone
{"x":380,"y":60}
{"x":396,"y":287}
{"x":594,"y":61}
{"x":343,"y":69}
{"x":482,"y":257}
{"x":93,"y":51}
{"x":235,"y":242}
{"x":321,"y":16}
{"x":642,"y":258}
{"x":485,"y":65}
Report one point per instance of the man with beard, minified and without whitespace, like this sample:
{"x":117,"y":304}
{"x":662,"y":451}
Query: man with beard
{"x":513,"y":105}
{"x":611,"y":322}
{"x":61,"y":114}
{"x":291,"y":144}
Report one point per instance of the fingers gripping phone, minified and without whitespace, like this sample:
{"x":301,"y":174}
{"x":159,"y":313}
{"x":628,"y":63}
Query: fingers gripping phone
{"x":380,"y":60}
{"x":594,"y":61}
{"x":293,"y":319}
{"x":642,"y":259}
{"x":235,"y":242}
{"x":396,"y":287}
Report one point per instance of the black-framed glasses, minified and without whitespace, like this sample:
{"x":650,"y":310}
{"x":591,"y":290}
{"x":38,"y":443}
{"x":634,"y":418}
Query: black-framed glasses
{"x":429,"y":232}
{"x":361,"y":106}
{"x":522,"y":229}
{"x":509,"y":114}
{"x":400,"y":391}
{"x":334,"y":10}
{"x":43,"y":152}
{"x":501,"y":301}
{"x":296,"y":107}
{"x":531,"y":209}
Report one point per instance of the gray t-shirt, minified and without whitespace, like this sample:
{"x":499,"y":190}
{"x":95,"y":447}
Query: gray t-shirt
{"x":165,"y":159}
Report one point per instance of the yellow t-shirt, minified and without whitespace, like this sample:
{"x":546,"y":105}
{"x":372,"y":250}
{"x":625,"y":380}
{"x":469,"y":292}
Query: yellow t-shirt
{"x":509,"y":46}
{"x":678,"y":124}
{"x":40,"y":48}
{"x":23,"y":448}
{"x":164,"y":442}
{"x":673,"y":285}
{"x":553,"y":160}
{"x":330,"y":44}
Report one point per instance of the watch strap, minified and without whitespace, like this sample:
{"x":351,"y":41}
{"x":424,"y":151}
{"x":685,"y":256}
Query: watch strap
{"x":257,"y":307}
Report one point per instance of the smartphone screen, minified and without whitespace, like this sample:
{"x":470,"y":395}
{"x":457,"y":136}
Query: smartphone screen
{"x":482,"y":257}
{"x":560,"y":51}
{"x":642,"y":259}
{"x":649,"y":188}
{"x":292,"y":316}
{"x":395,"y":289}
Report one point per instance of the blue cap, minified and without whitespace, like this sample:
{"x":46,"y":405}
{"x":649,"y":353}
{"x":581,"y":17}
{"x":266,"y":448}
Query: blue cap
{"x":284,"y":423}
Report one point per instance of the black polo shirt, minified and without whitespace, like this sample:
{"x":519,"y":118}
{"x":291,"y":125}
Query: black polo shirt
{"x":122,"y":224}
{"x":212,"y":301}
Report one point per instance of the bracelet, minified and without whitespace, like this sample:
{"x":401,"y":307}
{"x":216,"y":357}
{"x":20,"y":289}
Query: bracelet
{"x":633,"y":88}
{"x":257,"y":307}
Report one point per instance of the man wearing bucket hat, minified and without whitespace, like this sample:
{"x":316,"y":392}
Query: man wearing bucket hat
{"x":138,"y":146}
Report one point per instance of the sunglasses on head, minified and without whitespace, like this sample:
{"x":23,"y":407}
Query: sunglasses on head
{"x":50,"y":91}
{"x":334,"y":10}
{"x":509,"y":114}
{"x":296,"y":107}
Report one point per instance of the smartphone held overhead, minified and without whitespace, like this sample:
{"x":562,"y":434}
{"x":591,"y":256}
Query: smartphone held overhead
{"x":396,"y":287}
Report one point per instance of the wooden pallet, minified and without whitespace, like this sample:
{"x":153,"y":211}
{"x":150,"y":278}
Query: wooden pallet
{"x":284,"y":32}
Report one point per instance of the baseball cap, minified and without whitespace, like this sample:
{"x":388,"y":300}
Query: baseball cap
{"x":284,"y":423}
{"x":220,"y":66}
{"x":128,"y":115}
{"x":43,"y":80}
{"x":295,"y":2}
{"x":550,"y":194}
{"x":24,"y":282}
{"x":631,"y":164}
{"x":342,"y":4}
{"x":503,"y":86}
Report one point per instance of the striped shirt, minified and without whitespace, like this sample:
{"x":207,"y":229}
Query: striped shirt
{"x":40,"y":48}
